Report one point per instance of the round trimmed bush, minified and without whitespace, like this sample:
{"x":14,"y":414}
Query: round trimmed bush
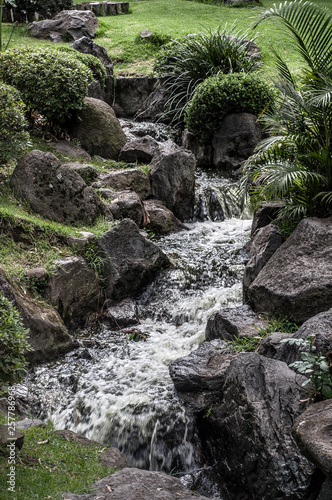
{"x":13,"y":344}
{"x":220,"y":95}
{"x":51,"y":83}
{"x":13,"y":124}
{"x":92,"y":62}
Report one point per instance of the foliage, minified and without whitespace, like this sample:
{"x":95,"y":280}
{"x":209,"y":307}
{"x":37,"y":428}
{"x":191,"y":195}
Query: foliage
{"x":92,"y":62}
{"x":13,"y":124}
{"x":46,"y":8}
{"x":13,"y":344}
{"x":49,"y":464}
{"x":313,"y":365}
{"x":295,"y":162}
{"x":220,"y":95}
{"x":183,"y":64}
{"x":51,"y":83}
{"x":157,"y":39}
{"x":2,"y":3}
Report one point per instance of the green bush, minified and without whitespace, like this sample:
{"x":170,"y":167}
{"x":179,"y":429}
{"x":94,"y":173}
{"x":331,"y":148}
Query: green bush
{"x":92,"y":62}
{"x":13,"y":124}
{"x":220,"y":95}
{"x":13,"y":344}
{"x":47,"y":8}
{"x":183,"y":64}
{"x":51,"y":83}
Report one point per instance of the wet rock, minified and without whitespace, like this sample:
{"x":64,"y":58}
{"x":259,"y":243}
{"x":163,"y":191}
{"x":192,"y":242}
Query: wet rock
{"x":297,"y":280}
{"x":68,"y":24}
{"x":48,"y":335}
{"x":130,"y":93}
{"x":161,"y":220}
{"x":235,"y":141}
{"x":73,"y":289}
{"x":55,"y":191}
{"x":69,"y":149}
{"x":312,"y":432}
{"x":140,"y":150}
{"x":266,"y":241}
{"x":154,"y":106}
{"x":136,"y":484}
{"x":128,"y":205}
{"x":202,"y":152}
{"x":113,"y":458}
{"x":123,"y":314}
{"x":10,"y":435}
{"x":248,"y":431}
{"x":264,"y":215}
{"x":98,"y":129}
{"x":131,"y":260}
{"x":173,"y":179}
{"x":270,"y":345}
{"x":233,"y":322}
{"x":131,"y":178}
{"x":199,"y":377}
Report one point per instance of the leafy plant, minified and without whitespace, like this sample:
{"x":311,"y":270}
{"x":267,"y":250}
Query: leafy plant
{"x":183,"y":64}
{"x":51,"y":83}
{"x":92,"y":62}
{"x":295,"y":162}
{"x":13,"y":124}
{"x":46,"y":8}
{"x":2,"y":2}
{"x":13,"y":344}
{"x":222,"y":94}
{"x":315,"y":366}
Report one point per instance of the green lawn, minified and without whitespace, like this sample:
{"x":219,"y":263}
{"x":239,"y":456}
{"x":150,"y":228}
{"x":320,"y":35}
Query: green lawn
{"x":176,"y":18}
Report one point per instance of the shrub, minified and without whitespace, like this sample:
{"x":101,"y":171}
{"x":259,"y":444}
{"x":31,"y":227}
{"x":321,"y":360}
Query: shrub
{"x":13,"y":124}
{"x":183,"y":64}
{"x":220,"y":95}
{"x":13,"y":344}
{"x":92,"y":62}
{"x":51,"y":83}
{"x":46,"y":8}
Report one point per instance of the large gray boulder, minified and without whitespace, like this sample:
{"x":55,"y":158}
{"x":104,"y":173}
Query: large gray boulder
{"x":130,"y":178}
{"x":173,"y":179}
{"x":235,"y":141}
{"x":153,"y":107}
{"x":140,"y":150}
{"x":55,"y":191}
{"x":68,"y":24}
{"x":233,"y":322}
{"x":265,"y":214}
{"x":201,"y":150}
{"x":98,"y":129}
{"x":136,"y":484}
{"x":160,"y":219}
{"x":127,"y":204}
{"x":130,"y":93}
{"x":266,"y":241}
{"x":48,"y":335}
{"x":73,"y":289}
{"x":130,"y":259}
{"x":297,"y":280}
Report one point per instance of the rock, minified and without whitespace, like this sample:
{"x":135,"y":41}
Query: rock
{"x":270,"y":345}
{"x":235,"y":141}
{"x":153,"y":107}
{"x":37,"y":275}
{"x":264,"y":215}
{"x":128,"y":205}
{"x":68,"y":24}
{"x":123,"y":314}
{"x":10,"y":436}
{"x":162,"y":220}
{"x":131,"y":260}
{"x":98,"y":129}
{"x":77,"y":438}
{"x":202,"y":152}
{"x":173,"y":179}
{"x":248,"y":431}
{"x":89,"y":173}
{"x":146,"y":34}
{"x":320,"y":328}
{"x":29,"y":423}
{"x":47,"y":334}
{"x":200,"y":376}
{"x":113,"y":458}
{"x":73,"y":289}
{"x":130,"y":93}
{"x":55,"y":191}
{"x":312,"y":432}
{"x":266,"y":241}
{"x":80,"y":242}
{"x":297,"y":280}
{"x":131,"y":178}
{"x":141,"y":150}
{"x":136,"y":484}
{"x":233,"y":322}
{"x":68,"y":149}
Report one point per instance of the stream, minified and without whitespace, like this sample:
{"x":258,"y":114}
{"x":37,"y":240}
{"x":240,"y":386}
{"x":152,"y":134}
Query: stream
{"x":118,"y":391}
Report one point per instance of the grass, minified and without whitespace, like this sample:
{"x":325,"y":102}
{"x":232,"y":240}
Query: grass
{"x":48,"y":464}
{"x":174,"y":18}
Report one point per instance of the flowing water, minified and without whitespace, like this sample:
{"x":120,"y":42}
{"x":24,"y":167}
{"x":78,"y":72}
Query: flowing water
{"x":118,"y":391}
